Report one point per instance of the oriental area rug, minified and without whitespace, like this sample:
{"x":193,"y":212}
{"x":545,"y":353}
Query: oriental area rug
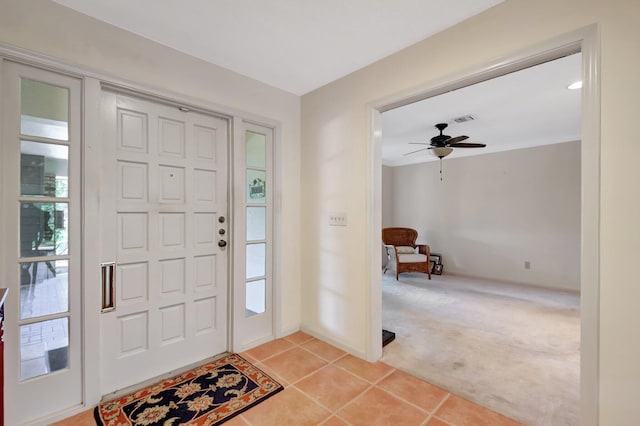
{"x":207,"y":395}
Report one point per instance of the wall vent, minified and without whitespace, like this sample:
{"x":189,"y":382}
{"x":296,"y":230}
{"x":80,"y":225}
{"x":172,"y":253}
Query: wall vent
{"x":464,"y":118}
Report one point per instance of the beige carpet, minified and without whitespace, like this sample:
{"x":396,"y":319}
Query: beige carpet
{"x":511,"y":348}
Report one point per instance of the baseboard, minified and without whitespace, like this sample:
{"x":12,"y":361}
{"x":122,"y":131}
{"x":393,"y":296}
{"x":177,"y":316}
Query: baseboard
{"x":522,"y":284}
{"x":351,"y":350}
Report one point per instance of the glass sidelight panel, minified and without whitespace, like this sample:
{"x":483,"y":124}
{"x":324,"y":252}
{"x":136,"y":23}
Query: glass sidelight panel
{"x":44,"y":169}
{"x":44,"y":288}
{"x":43,"y":229}
{"x":256,"y":300}
{"x":256,"y":150}
{"x":44,"y":347}
{"x":256,"y":223}
{"x":256,"y":186}
{"x":44,"y":110}
{"x":256,"y":260}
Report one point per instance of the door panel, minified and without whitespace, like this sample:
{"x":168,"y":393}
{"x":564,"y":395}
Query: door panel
{"x":165,"y":193}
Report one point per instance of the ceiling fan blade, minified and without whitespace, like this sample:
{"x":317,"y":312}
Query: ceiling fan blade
{"x":413,"y":152}
{"x":467,"y":145}
{"x":419,"y":143}
{"x":456,"y":139}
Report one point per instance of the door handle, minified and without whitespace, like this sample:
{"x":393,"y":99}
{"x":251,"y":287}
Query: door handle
{"x":108,"y":273}
{"x":222,"y":243}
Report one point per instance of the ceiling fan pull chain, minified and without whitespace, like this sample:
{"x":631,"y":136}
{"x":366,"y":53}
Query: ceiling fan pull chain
{"x":440,"y":169}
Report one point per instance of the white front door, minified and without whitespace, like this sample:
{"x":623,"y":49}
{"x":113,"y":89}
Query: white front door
{"x":40,"y":244}
{"x":165,"y":226}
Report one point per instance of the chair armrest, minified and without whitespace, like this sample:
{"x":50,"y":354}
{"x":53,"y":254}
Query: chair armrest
{"x":424,"y":249}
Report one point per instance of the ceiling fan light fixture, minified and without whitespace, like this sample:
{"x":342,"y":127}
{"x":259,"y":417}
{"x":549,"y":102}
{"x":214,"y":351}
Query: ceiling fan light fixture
{"x":441,"y":152}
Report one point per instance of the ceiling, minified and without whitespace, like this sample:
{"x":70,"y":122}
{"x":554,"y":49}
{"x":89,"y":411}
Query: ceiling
{"x":523,"y":109}
{"x":294,"y":45}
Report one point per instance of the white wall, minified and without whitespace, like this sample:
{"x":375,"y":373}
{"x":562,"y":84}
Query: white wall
{"x":47,"y":28}
{"x":335,"y":159}
{"x":388,"y":193}
{"x":493,"y":212}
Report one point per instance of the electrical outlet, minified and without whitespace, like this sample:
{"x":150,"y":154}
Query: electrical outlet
{"x":338,"y":219}
{"x":527,"y":264}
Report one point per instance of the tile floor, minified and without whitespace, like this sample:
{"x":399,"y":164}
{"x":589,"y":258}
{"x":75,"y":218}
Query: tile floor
{"x":326,"y":386}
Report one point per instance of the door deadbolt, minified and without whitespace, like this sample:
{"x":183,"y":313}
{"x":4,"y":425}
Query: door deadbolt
{"x":221,"y":232}
{"x":221,"y":219}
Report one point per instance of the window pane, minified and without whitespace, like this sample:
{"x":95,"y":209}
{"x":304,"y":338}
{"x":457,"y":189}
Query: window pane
{"x":44,"y":169}
{"x":256,"y":223}
{"x":256,"y":298}
{"x":256,"y":186}
{"x":43,"y":229}
{"x":44,"y":347}
{"x":44,"y":110}
{"x":256,"y":150}
{"x":44,"y":288}
{"x":256,"y":260}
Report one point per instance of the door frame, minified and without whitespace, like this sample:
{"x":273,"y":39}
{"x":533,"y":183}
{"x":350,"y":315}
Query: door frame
{"x":92,"y":86}
{"x":585,"y":40}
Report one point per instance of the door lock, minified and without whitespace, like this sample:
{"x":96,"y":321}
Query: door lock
{"x":222,"y":243}
{"x":221,"y":232}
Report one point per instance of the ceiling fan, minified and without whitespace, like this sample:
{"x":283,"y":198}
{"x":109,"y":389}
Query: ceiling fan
{"x":442,"y":145}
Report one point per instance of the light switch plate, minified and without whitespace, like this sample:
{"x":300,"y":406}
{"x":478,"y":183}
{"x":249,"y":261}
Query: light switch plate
{"x":338,"y":219}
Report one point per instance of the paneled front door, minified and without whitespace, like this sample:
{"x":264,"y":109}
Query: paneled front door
{"x":164,"y":215}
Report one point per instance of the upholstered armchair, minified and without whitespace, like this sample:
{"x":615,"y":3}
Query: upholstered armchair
{"x":404,"y":245}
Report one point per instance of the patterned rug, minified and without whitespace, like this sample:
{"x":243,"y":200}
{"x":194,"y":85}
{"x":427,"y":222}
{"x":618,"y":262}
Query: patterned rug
{"x":207,"y":395}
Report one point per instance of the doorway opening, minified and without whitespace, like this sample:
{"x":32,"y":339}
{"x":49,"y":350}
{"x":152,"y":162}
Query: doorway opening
{"x":584,"y":42}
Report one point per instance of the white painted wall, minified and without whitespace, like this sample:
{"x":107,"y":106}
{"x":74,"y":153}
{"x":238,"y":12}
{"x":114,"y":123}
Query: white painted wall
{"x":388,"y":194}
{"x":335,"y":159}
{"x":493,"y":212}
{"x":47,"y":28}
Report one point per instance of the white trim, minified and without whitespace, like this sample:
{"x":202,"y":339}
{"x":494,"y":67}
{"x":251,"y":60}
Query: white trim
{"x":91,"y":232}
{"x":586,"y":40}
{"x":590,"y":233}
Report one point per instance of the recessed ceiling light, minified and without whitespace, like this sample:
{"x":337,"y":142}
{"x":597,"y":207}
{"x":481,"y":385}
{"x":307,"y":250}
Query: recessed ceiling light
{"x":574,"y":86}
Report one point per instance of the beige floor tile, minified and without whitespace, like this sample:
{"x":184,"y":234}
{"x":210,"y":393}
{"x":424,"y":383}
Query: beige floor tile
{"x":378,"y":408}
{"x":294,"y":364}
{"x":262,"y":352}
{"x":299,"y":337}
{"x":461,"y":412}
{"x":288,"y":408}
{"x":324,"y":350}
{"x":248,"y":357}
{"x":332,"y":387}
{"x":371,"y":371}
{"x":416,"y":391}
{"x":434,"y":421}
{"x":334,"y":421}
